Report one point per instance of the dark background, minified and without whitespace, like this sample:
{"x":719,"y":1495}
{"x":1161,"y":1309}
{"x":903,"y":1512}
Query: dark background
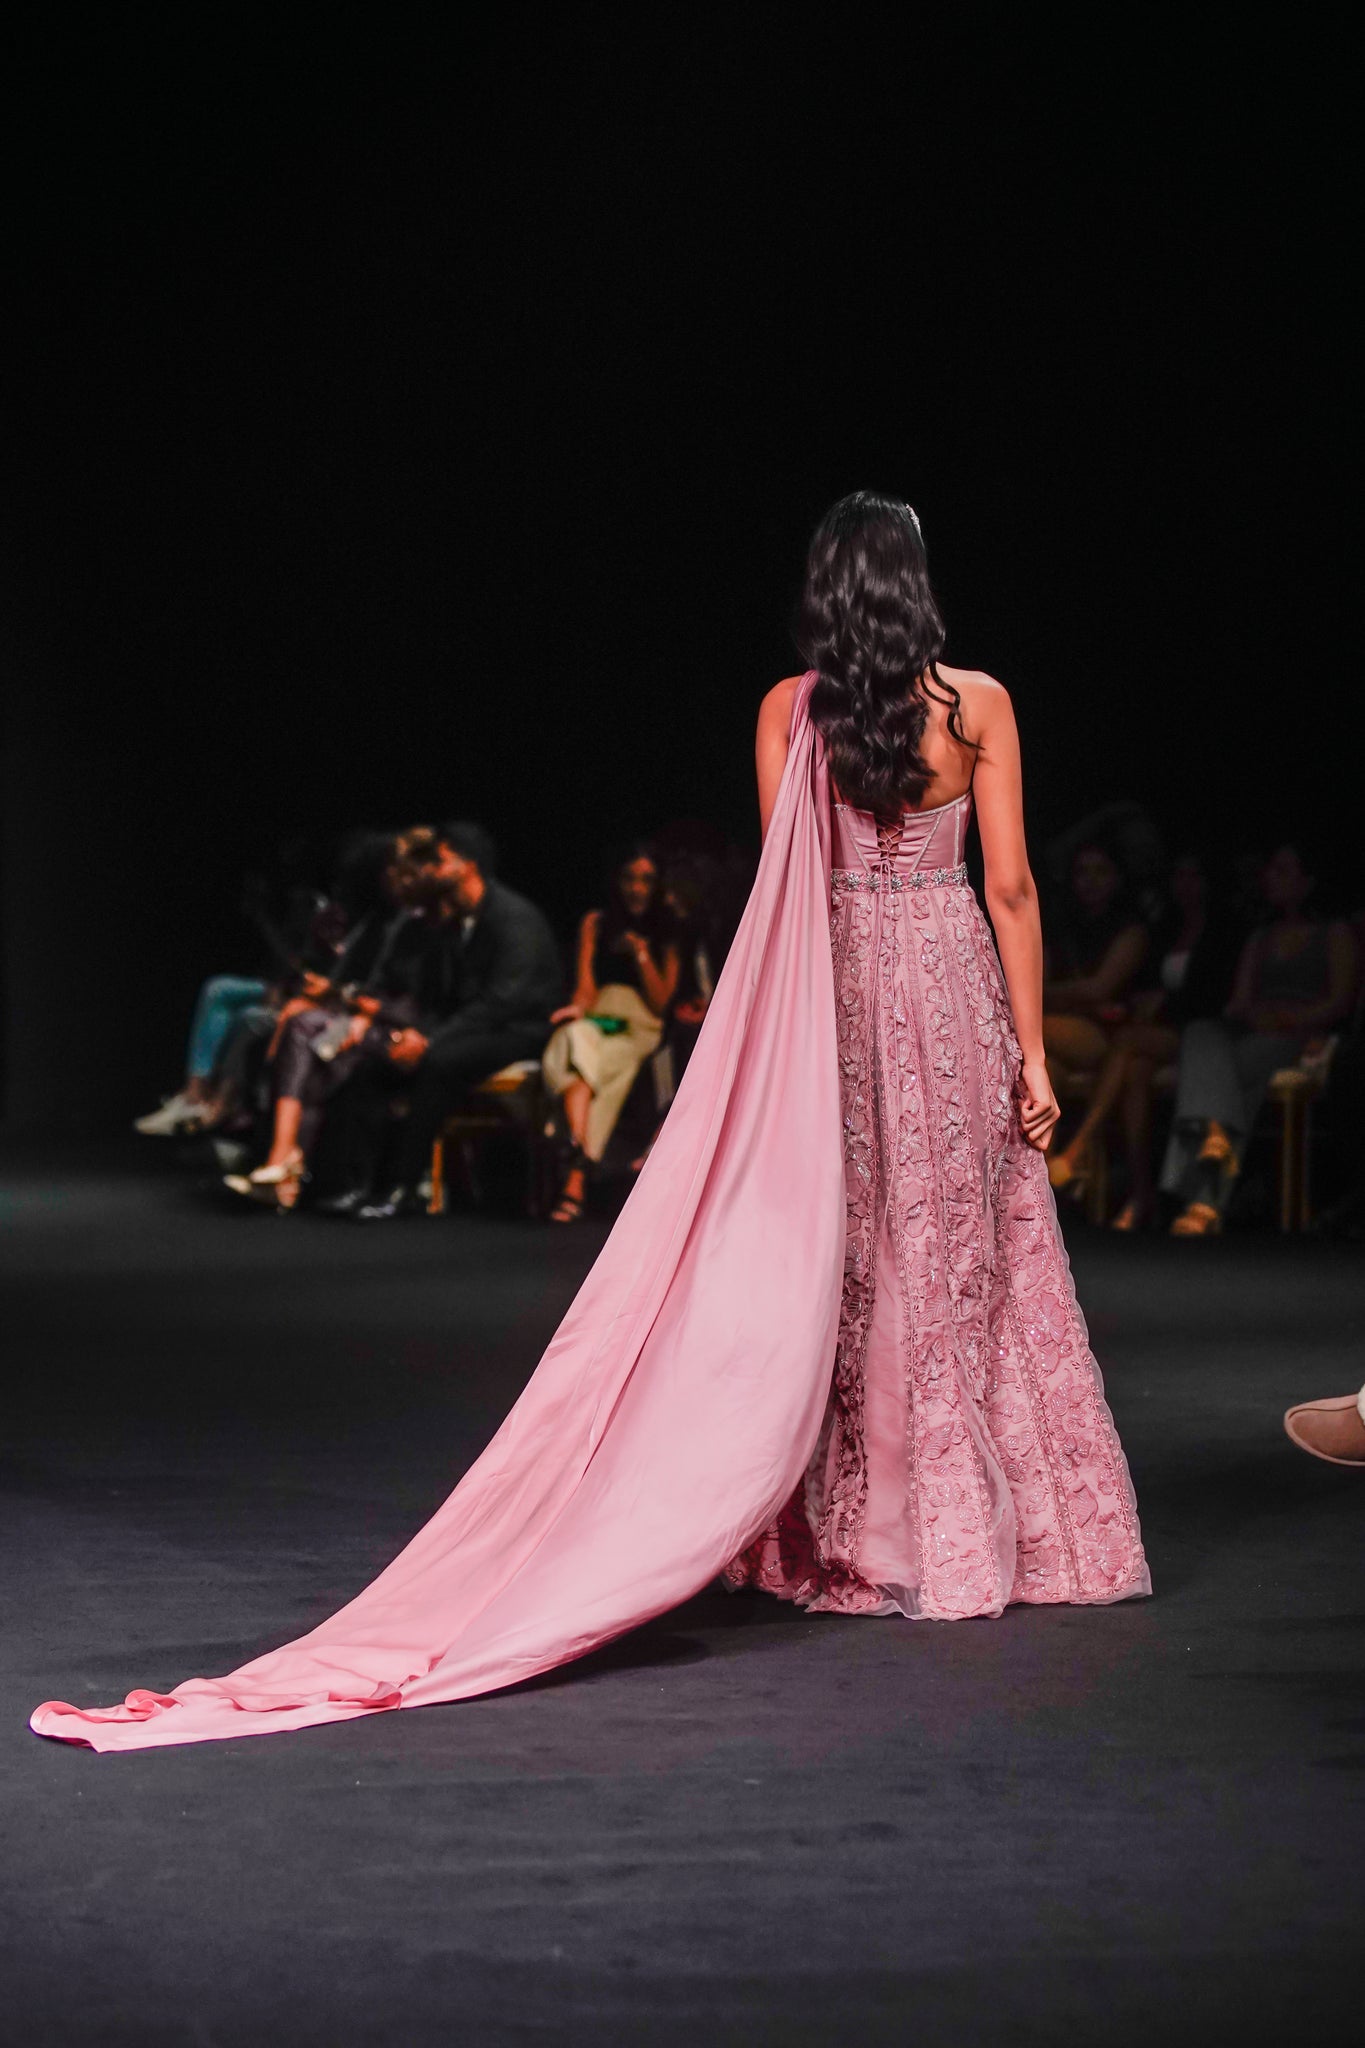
{"x":410,"y":416}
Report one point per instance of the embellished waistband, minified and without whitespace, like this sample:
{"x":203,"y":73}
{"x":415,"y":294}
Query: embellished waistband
{"x":843,"y":879}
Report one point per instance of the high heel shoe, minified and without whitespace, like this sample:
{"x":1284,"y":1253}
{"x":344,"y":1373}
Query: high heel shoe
{"x":274,"y":1187}
{"x":1066,"y":1177}
{"x":570,"y":1208}
{"x":1199,"y":1219}
{"x":1216,"y":1148}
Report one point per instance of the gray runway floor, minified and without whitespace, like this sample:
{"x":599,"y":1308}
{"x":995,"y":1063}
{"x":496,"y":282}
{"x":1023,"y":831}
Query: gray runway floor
{"x":740,"y":1825}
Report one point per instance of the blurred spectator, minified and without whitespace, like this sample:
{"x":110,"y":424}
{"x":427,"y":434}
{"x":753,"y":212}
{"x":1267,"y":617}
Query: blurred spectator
{"x":463,"y":984}
{"x":1295,"y":981}
{"x":693,"y":889}
{"x":627,"y":976}
{"x":1196,"y":947}
{"x":1095,"y":948}
{"x":317,"y":940}
{"x":1343,"y":1113}
{"x":487,"y":977}
{"x":1131,"y":836}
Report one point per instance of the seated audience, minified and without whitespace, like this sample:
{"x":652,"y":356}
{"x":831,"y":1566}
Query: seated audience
{"x":1196,"y":955}
{"x":627,"y":977}
{"x":316,"y":942}
{"x":1342,"y":1116}
{"x":1127,"y":830}
{"x":463,"y":986}
{"x":1095,"y":948}
{"x":1295,"y":981}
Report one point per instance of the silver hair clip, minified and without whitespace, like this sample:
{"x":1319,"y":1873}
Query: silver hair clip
{"x":915,"y":517}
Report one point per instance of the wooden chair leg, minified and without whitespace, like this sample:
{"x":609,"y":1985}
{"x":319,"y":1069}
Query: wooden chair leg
{"x":1305,"y":1162}
{"x":469,"y":1161}
{"x":436,"y":1206}
{"x":1290,"y":1163}
{"x":1097,"y":1193}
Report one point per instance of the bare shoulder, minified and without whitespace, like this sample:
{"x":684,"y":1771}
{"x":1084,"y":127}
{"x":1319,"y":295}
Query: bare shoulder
{"x":975,"y":686}
{"x":985,"y":702}
{"x":776,"y":708}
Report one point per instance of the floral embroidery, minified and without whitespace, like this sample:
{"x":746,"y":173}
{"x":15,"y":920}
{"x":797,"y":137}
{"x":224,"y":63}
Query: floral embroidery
{"x":1017,"y":1486}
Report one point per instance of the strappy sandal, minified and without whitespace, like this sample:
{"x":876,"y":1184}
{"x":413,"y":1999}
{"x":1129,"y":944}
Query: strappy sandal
{"x":570,"y":1208}
{"x":1067,"y":1178}
{"x":274,"y":1187}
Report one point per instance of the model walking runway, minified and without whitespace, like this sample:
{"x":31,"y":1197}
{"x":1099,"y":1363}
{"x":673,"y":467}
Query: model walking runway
{"x":831,"y":1345}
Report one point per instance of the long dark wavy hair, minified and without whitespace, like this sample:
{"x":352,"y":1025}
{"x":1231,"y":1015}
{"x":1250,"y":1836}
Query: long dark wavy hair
{"x":869,"y":626}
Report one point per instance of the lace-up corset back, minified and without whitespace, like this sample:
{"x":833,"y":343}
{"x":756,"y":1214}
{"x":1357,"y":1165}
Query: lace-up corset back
{"x":915,"y":843}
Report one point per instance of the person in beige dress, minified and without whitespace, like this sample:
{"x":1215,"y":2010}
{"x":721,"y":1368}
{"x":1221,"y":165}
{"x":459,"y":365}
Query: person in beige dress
{"x":627,"y":977}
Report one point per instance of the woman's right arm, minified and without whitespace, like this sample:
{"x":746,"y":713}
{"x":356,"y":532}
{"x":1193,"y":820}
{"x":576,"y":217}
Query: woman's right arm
{"x":1012,"y":895}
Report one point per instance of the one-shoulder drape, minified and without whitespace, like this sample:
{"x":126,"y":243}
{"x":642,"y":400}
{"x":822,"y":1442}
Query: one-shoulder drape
{"x":677,"y":1405}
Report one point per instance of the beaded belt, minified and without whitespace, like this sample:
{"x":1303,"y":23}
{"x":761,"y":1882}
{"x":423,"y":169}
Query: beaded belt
{"x":887,"y":878}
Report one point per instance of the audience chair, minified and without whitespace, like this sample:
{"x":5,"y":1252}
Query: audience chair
{"x":509,"y":1103}
{"x":1294,"y":1090}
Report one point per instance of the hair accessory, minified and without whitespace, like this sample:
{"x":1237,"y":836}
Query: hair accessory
{"x":914,"y":516}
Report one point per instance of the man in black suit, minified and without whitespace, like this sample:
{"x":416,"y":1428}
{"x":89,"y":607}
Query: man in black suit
{"x":480,"y":979}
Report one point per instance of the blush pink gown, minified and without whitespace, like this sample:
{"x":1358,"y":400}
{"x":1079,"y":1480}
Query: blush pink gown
{"x":830,"y":1347}
{"x":967,"y":1457}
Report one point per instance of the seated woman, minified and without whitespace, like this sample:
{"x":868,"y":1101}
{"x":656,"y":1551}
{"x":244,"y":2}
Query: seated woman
{"x":1295,"y":981}
{"x":1092,"y":960}
{"x":311,"y":944}
{"x":1197,"y":952}
{"x":627,"y":977}
{"x":320,"y":1038}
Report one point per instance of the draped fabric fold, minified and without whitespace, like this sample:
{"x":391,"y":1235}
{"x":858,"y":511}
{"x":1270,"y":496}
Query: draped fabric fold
{"x":676,"y":1407}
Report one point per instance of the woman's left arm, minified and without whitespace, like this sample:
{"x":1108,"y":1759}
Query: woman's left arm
{"x":774,"y":738}
{"x":658,"y":985}
{"x":1335,"y":1006}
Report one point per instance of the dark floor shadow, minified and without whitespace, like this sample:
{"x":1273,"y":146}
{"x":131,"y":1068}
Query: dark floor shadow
{"x":660,"y":1643}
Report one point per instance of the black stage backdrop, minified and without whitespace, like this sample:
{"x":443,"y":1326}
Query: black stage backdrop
{"x":407,"y":422}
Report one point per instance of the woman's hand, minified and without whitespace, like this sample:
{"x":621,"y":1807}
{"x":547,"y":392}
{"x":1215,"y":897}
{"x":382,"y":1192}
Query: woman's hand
{"x":315,"y":986}
{"x":1038,"y":1111}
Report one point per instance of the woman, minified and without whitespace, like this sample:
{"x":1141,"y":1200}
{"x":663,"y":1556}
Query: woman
{"x":1194,"y":972}
{"x":627,"y":975}
{"x":1295,"y":982}
{"x":831,"y":1346}
{"x":321,"y":1036}
{"x":312,"y":949}
{"x":1092,"y":963}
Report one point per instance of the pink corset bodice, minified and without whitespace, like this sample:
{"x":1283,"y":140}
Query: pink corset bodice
{"x":930,"y":842}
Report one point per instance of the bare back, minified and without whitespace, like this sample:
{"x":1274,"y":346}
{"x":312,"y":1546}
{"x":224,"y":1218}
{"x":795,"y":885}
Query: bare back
{"x":990,"y":769}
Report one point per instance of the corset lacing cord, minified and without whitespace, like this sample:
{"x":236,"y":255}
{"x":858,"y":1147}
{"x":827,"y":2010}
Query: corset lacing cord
{"x":889,"y":833}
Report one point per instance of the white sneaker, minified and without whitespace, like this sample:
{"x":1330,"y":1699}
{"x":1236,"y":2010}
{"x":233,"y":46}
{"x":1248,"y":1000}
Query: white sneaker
{"x":173,"y":1116}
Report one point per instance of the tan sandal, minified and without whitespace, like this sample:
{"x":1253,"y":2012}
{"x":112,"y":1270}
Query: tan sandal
{"x":1200,"y":1219}
{"x":1216,"y":1148}
{"x":274,"y":1187}
{"x":1065,"y":1177}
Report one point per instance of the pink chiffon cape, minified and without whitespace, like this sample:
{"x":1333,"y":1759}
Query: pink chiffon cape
{"x":678,"y":1403}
